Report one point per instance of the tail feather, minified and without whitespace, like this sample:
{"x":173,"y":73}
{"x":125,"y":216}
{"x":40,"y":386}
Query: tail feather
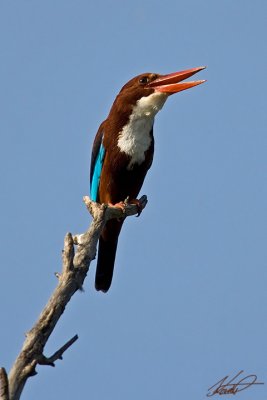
{"x":106,"y":255}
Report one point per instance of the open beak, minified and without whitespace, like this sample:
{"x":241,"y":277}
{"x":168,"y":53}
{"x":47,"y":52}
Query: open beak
{"x":172,"y":83}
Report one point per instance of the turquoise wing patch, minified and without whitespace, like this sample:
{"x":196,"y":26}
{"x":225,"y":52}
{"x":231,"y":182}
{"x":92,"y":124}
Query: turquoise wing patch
{"x":97,"y":173}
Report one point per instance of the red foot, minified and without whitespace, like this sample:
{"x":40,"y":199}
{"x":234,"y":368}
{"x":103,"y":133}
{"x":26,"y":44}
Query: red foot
{"x":122,"y":205}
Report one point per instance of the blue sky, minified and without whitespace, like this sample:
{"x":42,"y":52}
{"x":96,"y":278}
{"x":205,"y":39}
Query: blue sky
{"x":188,"y":301}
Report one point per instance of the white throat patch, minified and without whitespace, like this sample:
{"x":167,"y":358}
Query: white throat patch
{"x":135,"y":139}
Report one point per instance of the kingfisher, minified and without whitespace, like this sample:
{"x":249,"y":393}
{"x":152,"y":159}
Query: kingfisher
{"x":123,"y":151}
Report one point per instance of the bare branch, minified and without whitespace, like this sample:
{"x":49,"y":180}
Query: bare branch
{"x":74,"y":270}
{"x":58,"y":354}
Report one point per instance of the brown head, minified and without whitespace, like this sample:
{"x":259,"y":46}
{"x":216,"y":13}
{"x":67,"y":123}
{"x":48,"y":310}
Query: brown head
{"x":148,"y":84}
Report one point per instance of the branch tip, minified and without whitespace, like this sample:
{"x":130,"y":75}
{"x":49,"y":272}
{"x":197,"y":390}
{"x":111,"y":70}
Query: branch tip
{"x":68,"y":253}
{"x":4,"y":391}
{"x":68,"y":239}
{"x":94,"y":208}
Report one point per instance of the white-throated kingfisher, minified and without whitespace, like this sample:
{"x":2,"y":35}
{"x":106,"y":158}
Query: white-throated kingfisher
{"x":123,"y":153}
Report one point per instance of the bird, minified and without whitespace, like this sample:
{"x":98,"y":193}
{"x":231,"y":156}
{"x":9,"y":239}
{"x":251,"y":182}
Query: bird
{"x":123,"y":151}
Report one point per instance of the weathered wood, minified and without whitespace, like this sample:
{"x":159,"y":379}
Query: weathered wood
{"x":74,"y":270}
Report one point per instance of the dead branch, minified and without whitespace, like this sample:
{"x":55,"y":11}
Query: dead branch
{"x":74,"y":270}
{"x":58,"y":354}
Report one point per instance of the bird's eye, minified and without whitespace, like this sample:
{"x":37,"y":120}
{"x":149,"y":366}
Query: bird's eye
{"x":144,"y":80}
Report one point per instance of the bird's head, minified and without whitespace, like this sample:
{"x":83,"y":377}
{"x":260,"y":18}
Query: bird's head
{"x":149,"y":91}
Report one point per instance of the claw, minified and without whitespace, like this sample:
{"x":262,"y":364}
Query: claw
{"x":139,"y":206}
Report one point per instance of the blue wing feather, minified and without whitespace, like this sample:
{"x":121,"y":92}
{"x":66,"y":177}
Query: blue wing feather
{"x":97,"y":173}
{"x":97,"y":159}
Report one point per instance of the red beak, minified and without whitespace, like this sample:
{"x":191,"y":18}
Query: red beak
{"x":172,"y":83}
